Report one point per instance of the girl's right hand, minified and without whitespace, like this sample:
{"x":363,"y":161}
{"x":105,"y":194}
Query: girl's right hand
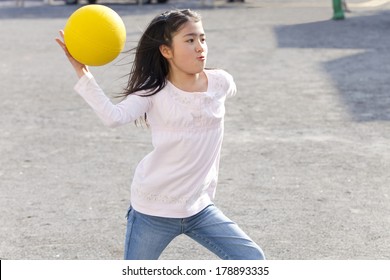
{"x":81,"y":69}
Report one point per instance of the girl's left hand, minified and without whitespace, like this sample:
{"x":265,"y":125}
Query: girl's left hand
{"x":80,"y":68}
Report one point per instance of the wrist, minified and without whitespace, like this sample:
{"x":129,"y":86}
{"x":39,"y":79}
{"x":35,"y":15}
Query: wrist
{"x":82,"y":71}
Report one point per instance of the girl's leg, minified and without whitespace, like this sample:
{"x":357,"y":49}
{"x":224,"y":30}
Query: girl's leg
{"x":147,"y":236}
{"x":212,"y":229}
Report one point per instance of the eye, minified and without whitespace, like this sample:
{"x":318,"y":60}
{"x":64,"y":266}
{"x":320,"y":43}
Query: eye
{"x":190,"y":41}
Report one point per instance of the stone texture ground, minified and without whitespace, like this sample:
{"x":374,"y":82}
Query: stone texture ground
{"x":305,"y":162}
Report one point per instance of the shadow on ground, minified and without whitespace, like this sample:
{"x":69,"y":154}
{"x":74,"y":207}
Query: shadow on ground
{"x":361,"y":78}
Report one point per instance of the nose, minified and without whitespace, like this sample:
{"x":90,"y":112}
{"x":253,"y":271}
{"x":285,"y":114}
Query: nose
{"x":199,"y":47}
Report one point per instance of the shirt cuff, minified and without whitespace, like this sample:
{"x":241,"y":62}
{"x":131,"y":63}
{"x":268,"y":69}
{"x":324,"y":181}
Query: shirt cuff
{"x":83,"y":81}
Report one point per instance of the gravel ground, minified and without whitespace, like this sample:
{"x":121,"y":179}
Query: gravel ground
{"x":305,"y":162}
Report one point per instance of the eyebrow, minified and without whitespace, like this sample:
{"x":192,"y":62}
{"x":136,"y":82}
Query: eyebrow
{"x":194,"y":34}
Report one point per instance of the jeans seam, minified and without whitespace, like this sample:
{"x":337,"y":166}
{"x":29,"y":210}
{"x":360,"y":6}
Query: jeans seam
{"x":131,"y":232}
{"x":212,"y":244}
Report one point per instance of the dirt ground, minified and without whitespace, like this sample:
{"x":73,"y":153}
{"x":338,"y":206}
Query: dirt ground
{"x":305,"y":161}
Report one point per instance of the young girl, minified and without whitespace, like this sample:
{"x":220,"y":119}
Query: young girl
{"x":183,"y":104}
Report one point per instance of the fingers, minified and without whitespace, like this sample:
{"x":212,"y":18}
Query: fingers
{"x":61,"y":43}
{"x":79,"y":67}
{"x":61,"y":32}
{"x":63,"y":46}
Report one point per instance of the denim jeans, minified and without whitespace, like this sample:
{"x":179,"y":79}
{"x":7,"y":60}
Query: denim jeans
{"x":148,"y":236}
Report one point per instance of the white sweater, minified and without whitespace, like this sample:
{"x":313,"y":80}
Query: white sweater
{"x":179,"y":177}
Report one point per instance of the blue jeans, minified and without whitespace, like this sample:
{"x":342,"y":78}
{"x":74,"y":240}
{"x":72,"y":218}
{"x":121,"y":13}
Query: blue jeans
{"x":148,"y":236}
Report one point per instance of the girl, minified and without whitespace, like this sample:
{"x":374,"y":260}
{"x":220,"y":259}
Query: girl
{"x":183,"y":104}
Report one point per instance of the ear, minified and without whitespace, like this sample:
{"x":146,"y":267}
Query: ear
{"x":166,"y":51}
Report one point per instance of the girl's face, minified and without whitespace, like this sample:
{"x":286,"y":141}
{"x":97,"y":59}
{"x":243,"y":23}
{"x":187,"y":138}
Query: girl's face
{"x":188,"y":53}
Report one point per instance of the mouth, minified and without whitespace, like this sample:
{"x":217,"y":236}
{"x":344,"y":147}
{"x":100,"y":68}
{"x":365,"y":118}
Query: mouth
{"x":201,"y":58}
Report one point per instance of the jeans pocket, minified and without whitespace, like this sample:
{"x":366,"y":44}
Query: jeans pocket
{"x":128,"y":212}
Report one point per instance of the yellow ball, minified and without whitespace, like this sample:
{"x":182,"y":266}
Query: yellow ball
{"x":95,"y":35}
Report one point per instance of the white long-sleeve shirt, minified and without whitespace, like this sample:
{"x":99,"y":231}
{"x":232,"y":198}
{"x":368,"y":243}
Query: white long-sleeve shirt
{"x":179,"y":177}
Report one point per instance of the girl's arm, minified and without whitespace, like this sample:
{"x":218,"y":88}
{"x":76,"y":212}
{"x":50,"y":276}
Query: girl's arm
{"x":112,"y":115}
{"x":129,"y":110}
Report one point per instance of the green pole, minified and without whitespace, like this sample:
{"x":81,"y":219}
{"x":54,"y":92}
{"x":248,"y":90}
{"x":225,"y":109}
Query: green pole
{"x":338,"y":12}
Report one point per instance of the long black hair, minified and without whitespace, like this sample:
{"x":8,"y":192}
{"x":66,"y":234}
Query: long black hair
{"x":150,"y":68}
